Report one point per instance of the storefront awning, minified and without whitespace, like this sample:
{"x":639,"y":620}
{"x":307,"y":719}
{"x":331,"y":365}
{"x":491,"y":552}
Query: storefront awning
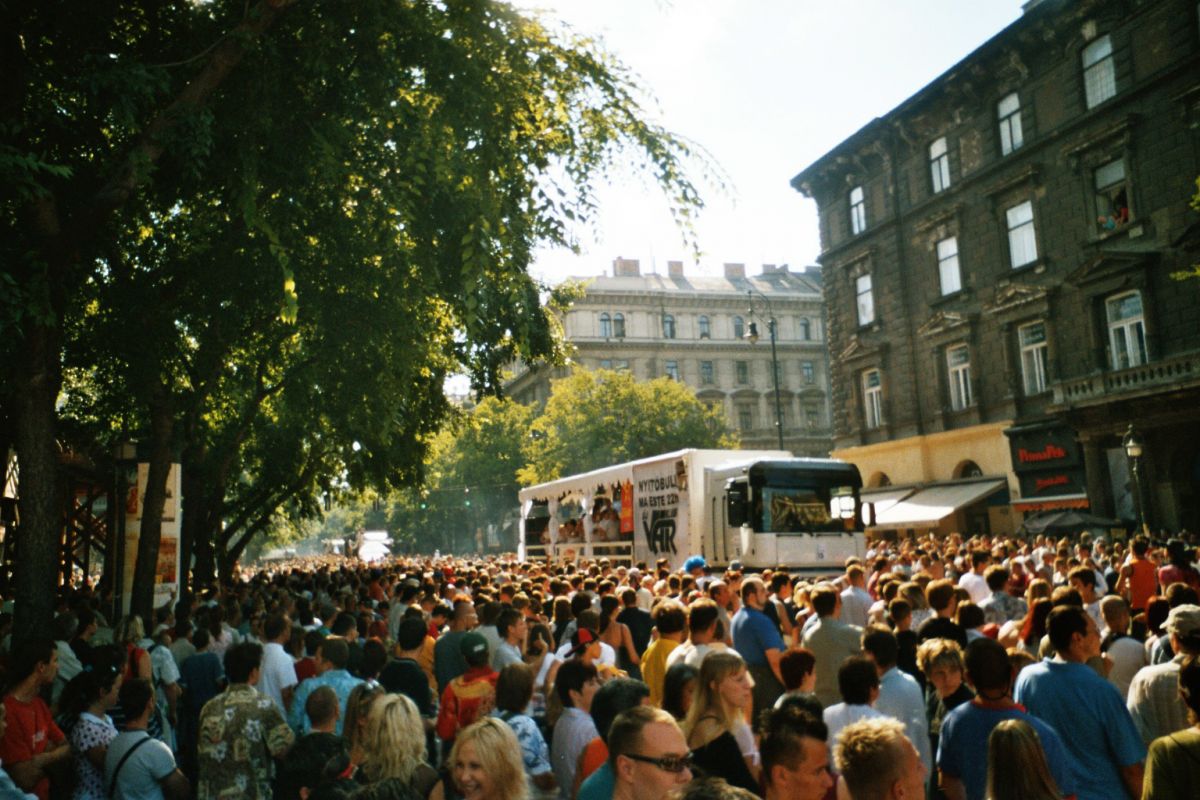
{"x":884,"y":498}
{"x":1051,"y":503}
{"x":929,"y":506}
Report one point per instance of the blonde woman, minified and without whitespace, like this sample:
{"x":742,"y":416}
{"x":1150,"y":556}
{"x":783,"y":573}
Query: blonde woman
{"x":722,"y":743}
{"x":1017,"y":768}
{"x":354,"y":726}
{"x":485,"y":764}
{"x":394,"y":745}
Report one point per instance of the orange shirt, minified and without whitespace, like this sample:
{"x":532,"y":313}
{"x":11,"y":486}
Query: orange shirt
{"x":31,"y":731}
{"x":593,"y":757}
{"x":1142,"y":583}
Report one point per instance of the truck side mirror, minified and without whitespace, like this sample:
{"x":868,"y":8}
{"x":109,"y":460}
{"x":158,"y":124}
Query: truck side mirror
{"x":868,"y":515}
{"x":737,"y":504}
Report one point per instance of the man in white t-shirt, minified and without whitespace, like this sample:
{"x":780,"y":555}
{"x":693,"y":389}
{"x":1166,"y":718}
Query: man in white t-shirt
{"x":703,"y":618}
{"x":973,"y":581}
{"x":138,"y":766}
{"x":277,"y":679}
{"x":1126,"y":653}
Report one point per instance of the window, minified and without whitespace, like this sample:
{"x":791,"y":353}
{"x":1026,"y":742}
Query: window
{"x":872,"y":383}
{"x":606,"y":363}
{"x":1022,"y":241}
{"x":605,"y":325}
{"x":739,"y":327}
{"x":743,"y":371}
{"x":668,"y":326}
{"x":706,"y":372}
{"x":958,"y":362}
{"x":805,"y":329}
{"x":1126,"y":330}
{"x":672,"y":370}
{"x":866,"y":301}
{"x":939,"y":165}
{"x":1008,"y":111}
{"x":812,"y":415}
{"x":1032,"y":339}
{"x":705,"y":328}
{"x":858,"y":211}
{"x":619,"y":325}
{"x":808,"y":372}
{"x":1099,"y":72}
{"x":622,"y":364}
{"x":1112,"y":196}
{"x":745,"y":416}
{"x":948,"y":272}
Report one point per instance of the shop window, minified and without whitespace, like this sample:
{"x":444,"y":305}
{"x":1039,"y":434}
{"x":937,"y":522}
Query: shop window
{"x":1126,"y":330}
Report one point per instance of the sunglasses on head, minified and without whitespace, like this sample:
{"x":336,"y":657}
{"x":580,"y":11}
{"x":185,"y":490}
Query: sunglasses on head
{"x":665,"y":763}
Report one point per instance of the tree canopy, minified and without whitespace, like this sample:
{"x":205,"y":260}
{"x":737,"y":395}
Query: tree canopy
{"x":261,"y":235}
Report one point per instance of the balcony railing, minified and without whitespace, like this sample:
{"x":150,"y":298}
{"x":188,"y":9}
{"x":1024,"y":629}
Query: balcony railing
{"x":1169,"y":372}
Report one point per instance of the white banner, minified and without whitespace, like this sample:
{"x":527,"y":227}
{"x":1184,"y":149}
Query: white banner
{"x":660,"y":513}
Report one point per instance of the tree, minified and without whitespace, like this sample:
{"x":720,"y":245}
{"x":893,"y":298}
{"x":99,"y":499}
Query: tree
{"x":411,"y":152}
{"x":594,"y":419}
{"x":1194,"y":272}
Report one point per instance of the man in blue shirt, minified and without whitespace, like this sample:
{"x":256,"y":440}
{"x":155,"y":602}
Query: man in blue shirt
{"x":1071,"y":696}
{"x":965,"y":730}
{"x":900,"y":695}
{"x":331,"y":671}
{"x":758,"y":641}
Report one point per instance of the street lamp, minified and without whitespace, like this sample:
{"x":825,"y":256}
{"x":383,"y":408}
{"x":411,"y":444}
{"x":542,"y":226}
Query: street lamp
{"x":752,"y":337}
{"x":1135,"y":446}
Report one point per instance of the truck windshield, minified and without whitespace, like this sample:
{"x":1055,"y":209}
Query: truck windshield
{"x":791,"y":509}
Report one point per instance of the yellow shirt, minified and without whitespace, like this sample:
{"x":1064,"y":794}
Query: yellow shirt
{"x":654,"y":667}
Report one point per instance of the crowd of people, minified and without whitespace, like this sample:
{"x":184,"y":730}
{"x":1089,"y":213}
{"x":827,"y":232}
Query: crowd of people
{"x":967,"y":669}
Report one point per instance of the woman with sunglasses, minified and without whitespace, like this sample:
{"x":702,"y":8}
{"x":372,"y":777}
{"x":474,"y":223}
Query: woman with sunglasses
{"x":722,"y":742}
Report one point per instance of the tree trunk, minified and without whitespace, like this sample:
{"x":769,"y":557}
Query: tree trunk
{"x":161,"y":426}
{"x":195,"y":512}
{"x":35,"y":391}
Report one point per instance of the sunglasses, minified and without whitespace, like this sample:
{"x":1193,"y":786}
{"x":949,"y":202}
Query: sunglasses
{"x":666,"y":763}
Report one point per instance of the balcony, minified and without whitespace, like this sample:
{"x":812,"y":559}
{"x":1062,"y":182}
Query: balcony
{"x":1171,"y":373}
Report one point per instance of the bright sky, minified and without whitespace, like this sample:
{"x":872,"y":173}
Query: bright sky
{"x":766,"y":87}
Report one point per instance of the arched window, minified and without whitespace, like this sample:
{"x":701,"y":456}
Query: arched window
{"x":739,"y":327}
{"x":968,"y":469}
{"x":605,"y":325}
{"x":619,"y":325}
{"x":705,"y":328}
{"x":668,"y":326}
{"x":805,"y":329}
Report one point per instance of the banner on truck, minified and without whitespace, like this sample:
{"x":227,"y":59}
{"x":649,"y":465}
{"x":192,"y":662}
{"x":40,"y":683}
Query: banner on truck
{"x":660,"y":513}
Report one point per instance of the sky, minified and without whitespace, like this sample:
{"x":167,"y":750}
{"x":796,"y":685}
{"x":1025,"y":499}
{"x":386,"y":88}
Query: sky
{"x":766,"y":87}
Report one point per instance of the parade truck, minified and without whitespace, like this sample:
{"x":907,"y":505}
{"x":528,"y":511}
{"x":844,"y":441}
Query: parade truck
{"x":763,"y":508}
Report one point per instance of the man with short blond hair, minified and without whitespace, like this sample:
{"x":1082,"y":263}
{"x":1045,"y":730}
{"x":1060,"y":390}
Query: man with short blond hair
{"x":648,"y":754}
{"x":878,"y":762}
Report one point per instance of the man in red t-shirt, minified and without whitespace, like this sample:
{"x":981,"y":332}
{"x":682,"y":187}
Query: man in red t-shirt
{"x":32,"y":743}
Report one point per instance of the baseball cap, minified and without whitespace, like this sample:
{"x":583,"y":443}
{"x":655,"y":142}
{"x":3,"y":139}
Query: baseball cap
{"x":472,"y":644}
{"x":1183,"y":620}
{"x":580,"y":640}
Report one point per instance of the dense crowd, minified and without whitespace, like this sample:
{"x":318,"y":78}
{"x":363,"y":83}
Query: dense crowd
{"x":950,"y":668}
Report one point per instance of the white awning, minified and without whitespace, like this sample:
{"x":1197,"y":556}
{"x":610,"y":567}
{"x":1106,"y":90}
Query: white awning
{"x":884,"y":498}
{"x":927,"y":507}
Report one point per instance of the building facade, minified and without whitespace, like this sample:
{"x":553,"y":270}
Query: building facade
{"x":998,"y":255}
{"x":694,"y":329}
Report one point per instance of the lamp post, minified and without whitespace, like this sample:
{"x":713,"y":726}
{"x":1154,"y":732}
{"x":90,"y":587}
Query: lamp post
{"x":1134,"y":448}
{"x":752,"y":337}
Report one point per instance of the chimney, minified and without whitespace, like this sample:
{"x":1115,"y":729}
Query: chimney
{"x":675,"y":269}
{"x":735,"y":270}
{"x":626,"y":268}
{"x":769,"y":268}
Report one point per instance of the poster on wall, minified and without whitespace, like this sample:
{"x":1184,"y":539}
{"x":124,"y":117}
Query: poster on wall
{"x":166,"y":573}
{"x":660,"y":514}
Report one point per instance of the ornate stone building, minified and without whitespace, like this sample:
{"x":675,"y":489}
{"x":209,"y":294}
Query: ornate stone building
{"x":998,"y":255}
{"x":693,"y":329}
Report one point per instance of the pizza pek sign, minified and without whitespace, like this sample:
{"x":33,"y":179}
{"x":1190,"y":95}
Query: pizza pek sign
{"x":1047,"y":461}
